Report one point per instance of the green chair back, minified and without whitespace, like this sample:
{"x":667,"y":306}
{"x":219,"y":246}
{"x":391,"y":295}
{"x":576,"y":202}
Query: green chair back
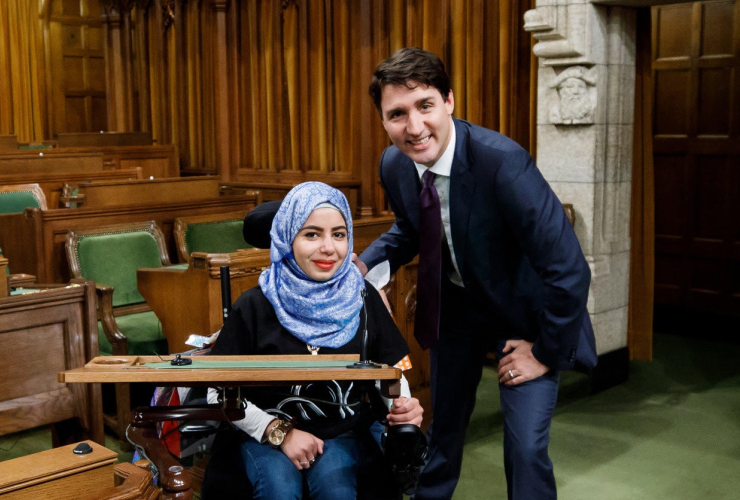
{"x":113,"y":258}
{"x":215,"y":237}
{"x":13,"y":202}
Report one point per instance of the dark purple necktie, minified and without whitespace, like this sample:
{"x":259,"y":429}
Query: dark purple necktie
{"x":429,"y":275}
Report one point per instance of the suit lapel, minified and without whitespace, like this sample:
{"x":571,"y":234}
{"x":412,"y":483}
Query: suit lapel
{"x":411,"y":187}
{"x":462,"y":189}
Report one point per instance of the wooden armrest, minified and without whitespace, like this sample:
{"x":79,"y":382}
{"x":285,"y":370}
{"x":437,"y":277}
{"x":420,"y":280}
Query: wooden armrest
{"x":173,"y":478}
{"x":21,"y":280}
{"x":105,"y":313}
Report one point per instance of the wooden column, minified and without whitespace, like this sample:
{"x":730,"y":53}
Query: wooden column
{"x":367,"y":66}
{"x":117,"y":67}
{"x":221,"y":90}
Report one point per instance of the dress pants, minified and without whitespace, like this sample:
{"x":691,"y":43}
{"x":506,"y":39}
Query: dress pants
{"x":467,"y":331}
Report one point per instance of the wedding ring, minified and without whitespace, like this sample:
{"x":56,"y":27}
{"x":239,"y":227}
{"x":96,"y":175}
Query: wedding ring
{"x":312,"y":460}
{"x":511,"y":374}
{"x":303,"y":464}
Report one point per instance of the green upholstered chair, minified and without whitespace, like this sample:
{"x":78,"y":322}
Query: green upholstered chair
{"x":218,"y":233}
{"x":15,"y":198}
{"x":110,"y":256}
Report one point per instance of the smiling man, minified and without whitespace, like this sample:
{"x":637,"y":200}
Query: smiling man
{"x":500,"y":269}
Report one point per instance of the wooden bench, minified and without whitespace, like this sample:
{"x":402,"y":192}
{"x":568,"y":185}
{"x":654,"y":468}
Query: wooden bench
{"x":99,"y":139}
{"x":34,"y":241}
{"x":53,"y":183}
{"x":181,"y":189}
{"x":42,"y":333}
{"x":33,"y":161}
{"x":155,"y":161}
{"x":113,"y":151}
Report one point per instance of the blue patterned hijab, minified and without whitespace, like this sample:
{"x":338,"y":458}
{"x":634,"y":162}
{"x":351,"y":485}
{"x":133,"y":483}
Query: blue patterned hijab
{"x":320,"y":313}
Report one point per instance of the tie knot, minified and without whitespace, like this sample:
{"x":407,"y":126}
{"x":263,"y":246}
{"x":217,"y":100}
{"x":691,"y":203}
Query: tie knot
{"x":428,"y":178}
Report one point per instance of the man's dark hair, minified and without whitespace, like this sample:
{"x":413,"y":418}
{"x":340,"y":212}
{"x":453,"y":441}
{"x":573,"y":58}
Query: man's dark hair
{"x":409,"y":66}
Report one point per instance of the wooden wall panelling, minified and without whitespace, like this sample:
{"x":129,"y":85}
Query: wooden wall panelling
{"x":78,"y":72}
{"x":21,"y":71}
{"x":275,"y":91}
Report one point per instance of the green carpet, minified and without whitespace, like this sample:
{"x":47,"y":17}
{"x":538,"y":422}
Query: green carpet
{"x":671,"y":432}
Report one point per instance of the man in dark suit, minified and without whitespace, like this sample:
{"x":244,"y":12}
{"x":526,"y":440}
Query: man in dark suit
{"x":513,"y":276}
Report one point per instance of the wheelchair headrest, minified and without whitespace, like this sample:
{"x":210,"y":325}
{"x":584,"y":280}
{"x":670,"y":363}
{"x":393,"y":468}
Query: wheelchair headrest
{"x":258,"y":222}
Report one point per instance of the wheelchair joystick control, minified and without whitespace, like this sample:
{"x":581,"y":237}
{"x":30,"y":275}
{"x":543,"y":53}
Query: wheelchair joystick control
{"x":180,"y":361}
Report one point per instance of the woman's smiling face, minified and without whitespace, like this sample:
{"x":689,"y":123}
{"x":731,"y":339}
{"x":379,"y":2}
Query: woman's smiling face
{"x":321,"y":245}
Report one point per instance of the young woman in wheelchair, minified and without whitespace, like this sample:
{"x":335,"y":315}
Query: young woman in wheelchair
{"x":312,"y":299}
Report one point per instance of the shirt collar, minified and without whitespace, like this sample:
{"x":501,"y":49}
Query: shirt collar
{"x":443,"y":166}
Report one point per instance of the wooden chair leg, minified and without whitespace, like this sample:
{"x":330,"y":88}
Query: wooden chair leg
{"x":123,"y":410}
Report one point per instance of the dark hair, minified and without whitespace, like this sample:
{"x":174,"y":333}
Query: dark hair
{"x":408,"y":66}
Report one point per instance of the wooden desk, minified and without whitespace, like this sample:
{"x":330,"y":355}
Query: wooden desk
{"x":219,"y":370}
{"x":174,"y":480}
{"x":188,"y":300}
{"x":42,"y":333}
{"x":60,"y":474}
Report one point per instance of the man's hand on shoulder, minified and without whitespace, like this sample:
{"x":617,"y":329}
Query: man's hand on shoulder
{"x":520,"y":362}
{"x":360,"y":265}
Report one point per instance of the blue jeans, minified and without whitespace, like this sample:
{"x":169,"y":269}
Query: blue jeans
{"x":333,"y":476}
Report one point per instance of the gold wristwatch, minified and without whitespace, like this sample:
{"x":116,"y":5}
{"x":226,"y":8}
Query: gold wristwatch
{"x":277,"y":434}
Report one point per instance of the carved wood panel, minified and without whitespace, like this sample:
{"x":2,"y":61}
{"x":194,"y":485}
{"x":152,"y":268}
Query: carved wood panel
{"x":77,"y":80}
{"x":696,"y":137}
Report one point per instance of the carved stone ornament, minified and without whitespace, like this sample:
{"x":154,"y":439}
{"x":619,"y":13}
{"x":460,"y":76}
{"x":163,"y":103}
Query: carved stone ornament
{"x":562,"y":31}
{"x":576,"y":88}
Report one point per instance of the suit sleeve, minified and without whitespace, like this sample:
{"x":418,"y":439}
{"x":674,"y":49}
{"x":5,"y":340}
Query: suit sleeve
{"x":400,"y":244}
{"x":539,"y":224}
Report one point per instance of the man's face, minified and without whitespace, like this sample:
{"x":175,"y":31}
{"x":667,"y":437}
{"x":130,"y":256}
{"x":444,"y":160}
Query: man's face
{"x":418,"y":120}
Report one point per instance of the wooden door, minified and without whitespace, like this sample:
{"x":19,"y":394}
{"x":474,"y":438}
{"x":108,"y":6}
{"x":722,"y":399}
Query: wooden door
{"x":696,"y":139}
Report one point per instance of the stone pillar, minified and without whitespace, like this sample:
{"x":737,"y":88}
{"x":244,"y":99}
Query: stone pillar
{"x":585,"y":110}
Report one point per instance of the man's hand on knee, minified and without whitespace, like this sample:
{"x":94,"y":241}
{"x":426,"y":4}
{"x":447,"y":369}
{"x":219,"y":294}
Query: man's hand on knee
{"x":519,"y":365}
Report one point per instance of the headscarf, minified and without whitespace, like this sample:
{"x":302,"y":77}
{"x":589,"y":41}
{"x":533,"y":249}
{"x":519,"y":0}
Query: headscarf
{"x":320,"y":313}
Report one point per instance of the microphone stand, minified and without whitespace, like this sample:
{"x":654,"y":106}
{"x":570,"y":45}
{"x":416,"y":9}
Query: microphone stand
{"x":364,"y":362}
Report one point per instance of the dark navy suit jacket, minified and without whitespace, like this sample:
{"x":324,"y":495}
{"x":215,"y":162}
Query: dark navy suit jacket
{"x":514,"y":245}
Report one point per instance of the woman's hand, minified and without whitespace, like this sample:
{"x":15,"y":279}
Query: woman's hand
{"x":405,"y":411}
{"x":302,"y":448}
